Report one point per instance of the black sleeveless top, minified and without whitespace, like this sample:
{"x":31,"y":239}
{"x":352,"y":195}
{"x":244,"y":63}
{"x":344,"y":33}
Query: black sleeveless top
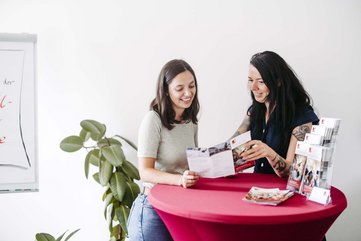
{"x":273,"y":139}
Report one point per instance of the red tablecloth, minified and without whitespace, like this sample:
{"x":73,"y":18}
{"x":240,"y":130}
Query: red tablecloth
{"x":213,"y":210}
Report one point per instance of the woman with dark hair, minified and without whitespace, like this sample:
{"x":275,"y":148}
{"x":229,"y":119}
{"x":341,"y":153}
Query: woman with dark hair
{"x":280,"y":114}
{"x":167,"y":130}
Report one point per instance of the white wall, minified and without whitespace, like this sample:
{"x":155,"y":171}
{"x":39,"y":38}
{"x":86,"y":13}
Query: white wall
{"x":100,"y":60}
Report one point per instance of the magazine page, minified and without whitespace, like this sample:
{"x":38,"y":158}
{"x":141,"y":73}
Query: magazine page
{"x":199,"y":161}
{"x":311,"y":176}
{"x":312,"y":172}
{"x":298,"y":166}
{"x":296,"y":173}
{"x":219,"y":160}
{"x":317,"y":170}
{"x":267,"y":196}
{"x":237,"y":145}
{"x":212,"y":162}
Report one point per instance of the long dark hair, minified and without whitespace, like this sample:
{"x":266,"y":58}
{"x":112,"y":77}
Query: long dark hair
{"x":162,"y":103}
{"x":287,"y":97}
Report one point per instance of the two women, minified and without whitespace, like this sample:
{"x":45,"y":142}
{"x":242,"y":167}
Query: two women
{"x":280,"y":115}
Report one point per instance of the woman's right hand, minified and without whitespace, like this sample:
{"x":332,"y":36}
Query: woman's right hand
{"x":188,"y":179}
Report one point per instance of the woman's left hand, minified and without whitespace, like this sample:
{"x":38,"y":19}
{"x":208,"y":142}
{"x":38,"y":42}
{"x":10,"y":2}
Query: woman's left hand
{"x":189,"y":178}
{"x":256,"y":149}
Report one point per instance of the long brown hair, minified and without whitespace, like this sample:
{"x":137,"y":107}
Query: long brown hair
{"x":287,"y":96}
{"x":162,"y":103}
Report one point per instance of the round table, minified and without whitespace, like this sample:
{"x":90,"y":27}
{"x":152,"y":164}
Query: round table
{"x":213,"y":210}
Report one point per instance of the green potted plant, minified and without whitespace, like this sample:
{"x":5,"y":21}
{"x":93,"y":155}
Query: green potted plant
{"x":48,"y":237}
{"x":114,"y":172}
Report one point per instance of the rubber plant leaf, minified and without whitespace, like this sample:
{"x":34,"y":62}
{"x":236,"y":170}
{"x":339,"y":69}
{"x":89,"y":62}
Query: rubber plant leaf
{"x":86,"y":165}
{"x":118,"y":186}
{"x":115,"y":232}
{"x":122,"y":214}
{"x":84,"y":135}
{"x":95,"y":156}
{"x":105,"y":172}
{"x":106,"y":192}
{"x":110,"y":215}
{"x":108,"y":142}
{"x":130,"y":170}
{"x":91,"y":158}
{"x":44,"y":237}
{"x":61,"y":236}
{"x":71,"y":234}
{"x":96,"y":129}
{"x":71,"y":144}
{"x":128,"y":141}
{"x":108,"y":199}
{"x":114,"y":154}
{"x":132,"y":191}
{"x":96,"y":177}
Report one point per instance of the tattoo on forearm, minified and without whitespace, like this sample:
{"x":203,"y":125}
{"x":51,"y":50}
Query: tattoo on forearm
{"x":281,"y":167}
{"x":300,"y":132}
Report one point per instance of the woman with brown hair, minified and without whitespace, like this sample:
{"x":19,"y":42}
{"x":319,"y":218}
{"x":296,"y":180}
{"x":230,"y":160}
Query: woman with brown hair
{"x":167,"y":130}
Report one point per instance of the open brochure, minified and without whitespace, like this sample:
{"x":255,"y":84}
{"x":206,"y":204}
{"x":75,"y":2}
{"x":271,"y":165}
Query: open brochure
{"x":267,"y":196}
{"x":220,"y":160}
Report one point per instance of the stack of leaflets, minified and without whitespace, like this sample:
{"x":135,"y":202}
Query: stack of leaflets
{"x":316,"y":169}
{"x":314,"y":139}
{"x":332,"y":123}
{"x":328,"y":129}
{"x":323,"y":132}
{"x":267,"y":196}
{"x":220,"y":160}
{"x":313,"y":162}
{"x":298,"y":167}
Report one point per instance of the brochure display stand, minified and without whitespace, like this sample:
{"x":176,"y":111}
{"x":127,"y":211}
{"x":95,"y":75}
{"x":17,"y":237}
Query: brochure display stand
{"x":311,"y":170}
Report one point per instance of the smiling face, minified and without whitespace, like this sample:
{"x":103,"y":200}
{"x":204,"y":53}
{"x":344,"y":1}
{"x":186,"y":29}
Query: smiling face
{"x":182,"y":90}
{"x":257,"y":86}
